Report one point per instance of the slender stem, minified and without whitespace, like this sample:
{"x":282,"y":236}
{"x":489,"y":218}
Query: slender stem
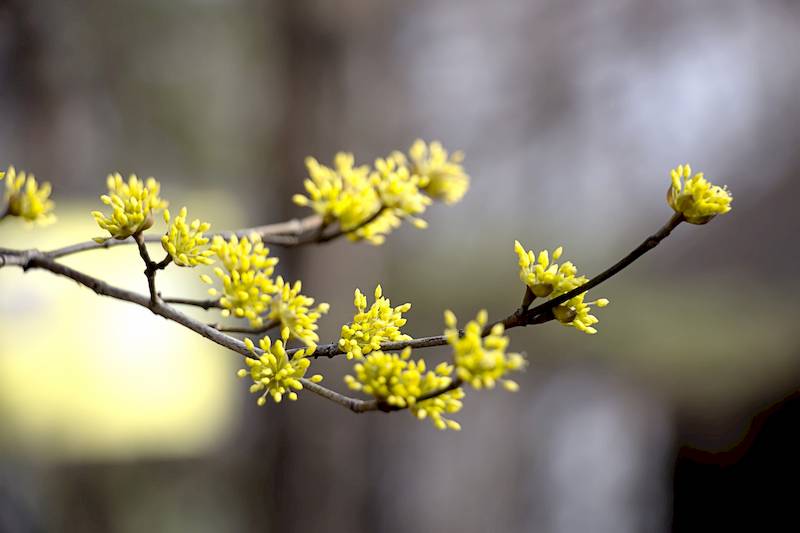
{"x":527,"y":299}
{"x":541,"y":310}
{"x":204,"y":304}
{"x":339,"y":231}
{"x":151,"y":267}
{"x":282,"y":233}
{"x":149,"y":271}
{"x":163,"y":263}
{"x":332,"y":350}
{"x":252,"y":331}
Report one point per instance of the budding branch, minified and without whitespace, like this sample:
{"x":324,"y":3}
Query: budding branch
{"x":308,"y":230}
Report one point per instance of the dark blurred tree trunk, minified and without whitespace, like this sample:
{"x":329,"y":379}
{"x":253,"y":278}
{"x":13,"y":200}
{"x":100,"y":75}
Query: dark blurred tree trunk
{"x":280,"y":479}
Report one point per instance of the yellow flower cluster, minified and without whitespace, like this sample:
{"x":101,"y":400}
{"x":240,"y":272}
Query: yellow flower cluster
{"x":133,"y":204}
{"x":544,"y":277}
{"x":696,"y":198}
{"x":245,"y":275}
{"x":273,"y":372}
{"x":342,"y":193}
{"x":442,"y":404}
{"x":575,"y":312}
{"x":368,"y":203}
{"x":399,"y":381}
{"x":399,"y":190}
{"x":442,"y":176}
{"x":293,"y":310}
{"x":549,"y":279}
{"x":26,"y":198}
{"x":369,"y":329}
{"x":481,"y":361}
{"x":184,"y":242}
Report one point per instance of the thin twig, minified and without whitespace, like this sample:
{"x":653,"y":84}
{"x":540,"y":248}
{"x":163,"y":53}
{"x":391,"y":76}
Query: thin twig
{"x":340,"y":232}
{"x":282,"y":233}
{"x":251,"y":331}
{"x":151,"y":267}
{"x":527,"y":299}
{"x":204,"y":304}
{"x":332,"y":350}
{"x":541,"y":310}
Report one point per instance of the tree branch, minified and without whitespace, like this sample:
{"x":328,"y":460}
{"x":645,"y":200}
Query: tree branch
{"x":523,"y":316}
{"x":281,"y":234}
{"x":332,"y":350}
{"x":251,"y":331}
{"x":151,"y":267}
{"x":294,"y":232}
{"x":339,"y":231}
{"x":35,"y":259}
{"x":204,"y":304}
{"x":536,"y":314}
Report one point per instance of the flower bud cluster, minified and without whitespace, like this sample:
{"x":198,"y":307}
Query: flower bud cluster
{"x":297,"y":318}
{"x":133,"y":204}
{"x":482,"y":361}
{"x":696,"y":198}
{"x":274,"y":374}
{"x":185,"y":243}
{"x":245,"y":274}
{"x":26,"y":198}
{"x":368,"y":203}
{"x":548,"y":279}
{"x":398,"y":381}
{"x":370,"y":329}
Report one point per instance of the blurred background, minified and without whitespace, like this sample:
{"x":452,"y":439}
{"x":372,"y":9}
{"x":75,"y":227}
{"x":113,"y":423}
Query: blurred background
{"x":678,"y":415}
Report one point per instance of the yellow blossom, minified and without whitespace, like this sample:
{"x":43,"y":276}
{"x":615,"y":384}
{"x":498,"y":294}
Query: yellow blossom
{"x":369,"y":329}
{"x":399,"y":189}
{"x":342,"y":194}
{"x":369,"y":203}
{"x":481,"y":361}
{"x":294,"y":312}
{"x":549,"y":279}
{"x":442,"y":176}
{"x":273,"y":372}
{"x":575,"y":312}
{"x":696,"y":198}
{"x":446,"y":403}
{"x":546,"y":278}
{"x":26,"y":198}
{"x":133,"y":204}
{"x":245,"y":274}
{"x":398,"y":381}
{"x":184,"y":242}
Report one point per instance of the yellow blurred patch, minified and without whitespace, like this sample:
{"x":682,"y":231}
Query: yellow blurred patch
{"x":87,"y":377}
